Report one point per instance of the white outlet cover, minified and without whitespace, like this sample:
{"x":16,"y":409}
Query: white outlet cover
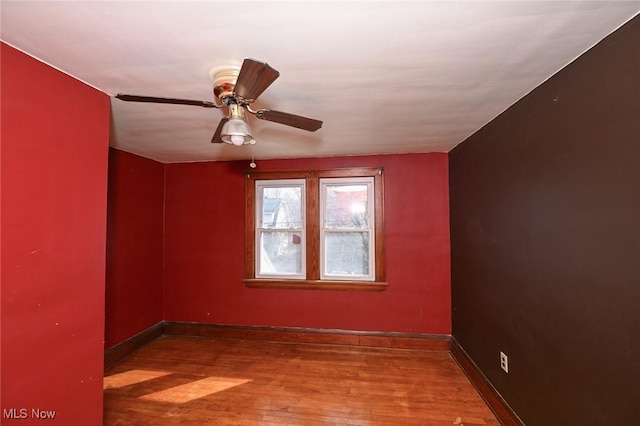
{"x":504,"y":362}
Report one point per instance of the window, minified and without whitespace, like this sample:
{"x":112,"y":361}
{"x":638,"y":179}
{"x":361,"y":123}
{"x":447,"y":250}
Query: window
{"x":346,"y":231}
{"x":280,"y":227}
{"x":315,"y":229}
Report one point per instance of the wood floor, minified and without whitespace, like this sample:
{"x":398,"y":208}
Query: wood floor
{"x":196,"y":381}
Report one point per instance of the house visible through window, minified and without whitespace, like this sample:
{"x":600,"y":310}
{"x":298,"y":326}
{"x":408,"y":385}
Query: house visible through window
{"x":280,"y":229}
{"x":319,"y":229}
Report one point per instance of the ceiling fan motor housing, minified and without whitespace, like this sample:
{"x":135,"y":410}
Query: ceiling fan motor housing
{"x":224,"y":82}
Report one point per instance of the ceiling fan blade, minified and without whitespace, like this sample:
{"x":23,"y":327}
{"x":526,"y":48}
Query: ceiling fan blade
{"x":254,"y":78}
{"x":216,"y":136}
{"x":298,"y":121}
{"x":153,"y":99}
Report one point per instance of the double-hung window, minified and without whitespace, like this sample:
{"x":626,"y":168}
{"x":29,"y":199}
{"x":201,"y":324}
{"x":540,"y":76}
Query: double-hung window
{"x":315,"y":229}
{"x":347,"y":239}
{"x":280,"y":229}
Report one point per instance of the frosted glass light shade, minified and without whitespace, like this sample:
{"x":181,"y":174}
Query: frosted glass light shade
{"x":236,"y":131}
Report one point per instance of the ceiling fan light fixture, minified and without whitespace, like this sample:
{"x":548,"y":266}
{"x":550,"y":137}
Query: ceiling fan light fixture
{"x":236,"y":88}
{"x":236,"y":130}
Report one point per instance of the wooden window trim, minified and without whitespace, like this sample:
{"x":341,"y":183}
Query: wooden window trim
{"x":313,"y":282}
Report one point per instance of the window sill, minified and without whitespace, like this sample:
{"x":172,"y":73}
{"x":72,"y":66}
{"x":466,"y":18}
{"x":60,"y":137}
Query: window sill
{"x":316,"y":284}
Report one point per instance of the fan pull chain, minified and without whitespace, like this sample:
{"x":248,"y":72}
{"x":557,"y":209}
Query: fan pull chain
{"x":252,"y":164}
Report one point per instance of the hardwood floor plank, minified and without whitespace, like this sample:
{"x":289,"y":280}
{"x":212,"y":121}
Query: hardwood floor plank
{"x":202,"y":381}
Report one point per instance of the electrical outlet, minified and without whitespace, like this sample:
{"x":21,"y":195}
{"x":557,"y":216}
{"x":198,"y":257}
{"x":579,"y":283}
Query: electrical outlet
{"x":504,"y":362}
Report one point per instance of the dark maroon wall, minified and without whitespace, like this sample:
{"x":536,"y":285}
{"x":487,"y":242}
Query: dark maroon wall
{"x":55,"y":136}
{"x":545,"y":234}
{"x":135,"y":223}
{"x":204,"y":249}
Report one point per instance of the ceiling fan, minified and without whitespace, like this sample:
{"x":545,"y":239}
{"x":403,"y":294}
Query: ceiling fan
{"x":237,"y":90}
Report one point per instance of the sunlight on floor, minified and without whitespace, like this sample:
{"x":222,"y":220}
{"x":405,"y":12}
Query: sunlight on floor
{"x":194,"y":390}
{"x":131,"y":377}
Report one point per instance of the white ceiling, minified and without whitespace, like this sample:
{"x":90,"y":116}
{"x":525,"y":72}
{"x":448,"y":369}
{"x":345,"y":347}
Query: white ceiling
{"x":384,"y":76}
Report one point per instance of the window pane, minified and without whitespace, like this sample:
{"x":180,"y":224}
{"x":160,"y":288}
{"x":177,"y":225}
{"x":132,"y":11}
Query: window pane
{"x":346,"y":253}
{"x":346,"y":206}
{"x":282,"y":207}
{"x":280,"y":253}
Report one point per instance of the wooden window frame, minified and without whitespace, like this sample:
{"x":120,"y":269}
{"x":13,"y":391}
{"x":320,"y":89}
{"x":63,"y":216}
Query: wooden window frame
{"x":312,"y":209}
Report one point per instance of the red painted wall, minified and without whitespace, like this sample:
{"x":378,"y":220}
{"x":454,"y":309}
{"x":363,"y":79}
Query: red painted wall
{"x":55,"y":135}
{"x":134,"y":246}
{"x":204,"y":248}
